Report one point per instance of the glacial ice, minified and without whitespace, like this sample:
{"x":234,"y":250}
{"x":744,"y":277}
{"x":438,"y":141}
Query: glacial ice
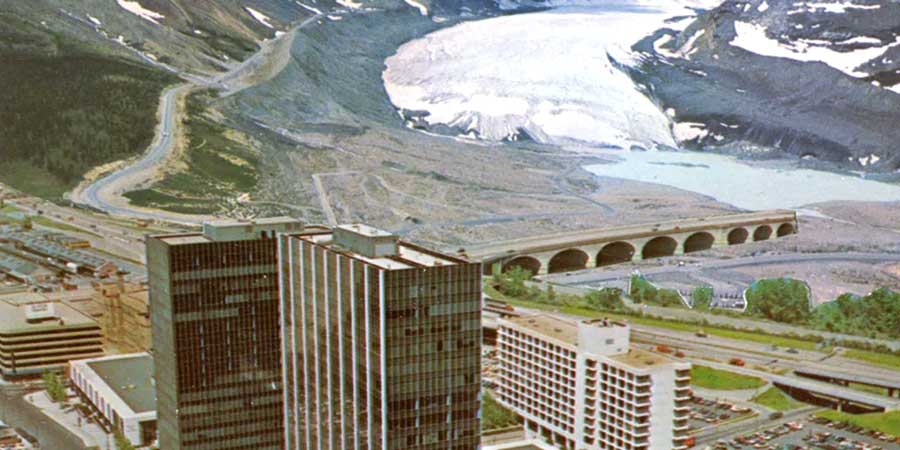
{"x":556,"y":75}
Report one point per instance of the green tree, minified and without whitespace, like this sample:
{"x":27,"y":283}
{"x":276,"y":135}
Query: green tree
{"x":874,"y":315}
{"x":780,"y":299}
{"x":55,"y":388}
{"x":641,"y":290}
{"x":702,"y":296}
{"x":668,"y":297}
{"x":606,"y":299}
{"x":512,"y":282}
{"x":122,"y":442}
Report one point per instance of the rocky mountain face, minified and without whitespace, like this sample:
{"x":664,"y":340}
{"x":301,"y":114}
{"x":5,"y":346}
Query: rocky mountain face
{"x":180,"y":35}
{"x":816,"y":80}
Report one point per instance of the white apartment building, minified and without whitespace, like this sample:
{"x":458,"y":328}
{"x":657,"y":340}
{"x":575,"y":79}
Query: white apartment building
{"x":580,"y":386}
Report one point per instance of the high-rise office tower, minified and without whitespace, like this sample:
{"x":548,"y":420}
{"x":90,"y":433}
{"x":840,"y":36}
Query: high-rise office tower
{"x":581,"y":386}
{"x":382,"y":343}
{"x":214,"y":314}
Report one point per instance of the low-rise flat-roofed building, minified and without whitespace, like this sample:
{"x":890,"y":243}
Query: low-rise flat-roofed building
{"x":579,"y":385}
{"x":39,"y":336}
{"x":121,"y":390}
{"x":381,"y":343}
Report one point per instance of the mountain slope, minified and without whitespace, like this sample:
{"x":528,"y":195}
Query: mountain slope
{"x":82,"y":78}
{"x":806,"y":79}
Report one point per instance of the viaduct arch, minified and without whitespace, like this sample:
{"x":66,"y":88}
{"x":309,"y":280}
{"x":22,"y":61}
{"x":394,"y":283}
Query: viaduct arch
{"x":606,"y":246}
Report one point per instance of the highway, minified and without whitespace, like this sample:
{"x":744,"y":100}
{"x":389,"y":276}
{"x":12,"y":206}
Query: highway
{"x":113,"y":184}
{"x":818,"y":387}
{"x":580,"y":282}
{"x":105,"y":193}
{"x":701,"y":350}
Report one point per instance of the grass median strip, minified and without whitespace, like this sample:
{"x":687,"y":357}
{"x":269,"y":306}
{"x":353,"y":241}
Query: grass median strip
{"x":888,"y":422}
{"x":776,"y":400}
{"x":722,"y":380}
{"x":881,"y":359}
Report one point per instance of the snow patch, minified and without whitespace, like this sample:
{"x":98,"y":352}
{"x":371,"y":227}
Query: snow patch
{"x":763,"y":7}
{"x":834,"y":8}
{"x":135,"y":8}
{"x":861,"y":40}
{"x":684,"y":52}
{"x":310,"y":8}
{"x":689,"y":131}
{"x":260,"y":17}
{"x":422,"y":9}
{"x":349,"y":4}
{"x":753,"y":38}
{"x":335,"y":18}
{"x":95,"y":20}
{"x":871,"y":159}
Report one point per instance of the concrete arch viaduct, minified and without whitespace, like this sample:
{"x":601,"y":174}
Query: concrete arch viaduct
{"x":606,"y":246}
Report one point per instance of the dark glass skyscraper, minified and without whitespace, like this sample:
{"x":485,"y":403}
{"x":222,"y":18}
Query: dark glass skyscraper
{"x":215,"y":319}
{"x":381,"y":343}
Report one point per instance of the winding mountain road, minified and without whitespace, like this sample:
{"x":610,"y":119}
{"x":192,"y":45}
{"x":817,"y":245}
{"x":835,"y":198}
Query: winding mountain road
{"x":105,"y":194}
{"x":96,"y":194}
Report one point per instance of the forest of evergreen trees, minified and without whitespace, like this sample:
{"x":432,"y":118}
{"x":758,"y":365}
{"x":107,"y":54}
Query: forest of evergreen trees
{"x":67,"y":111}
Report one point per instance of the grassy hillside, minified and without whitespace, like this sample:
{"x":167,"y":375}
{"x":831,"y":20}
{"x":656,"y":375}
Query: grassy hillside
{"x":220,"y":165}
{"x":774,"y":399}
{"x":66,"y":109}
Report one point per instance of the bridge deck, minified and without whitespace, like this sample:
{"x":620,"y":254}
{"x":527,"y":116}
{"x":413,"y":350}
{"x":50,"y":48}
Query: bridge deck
{"x":830,"y":390}
{"x":858,"y":379}
{"x":534,"y":244}
{"x":820,"y":388}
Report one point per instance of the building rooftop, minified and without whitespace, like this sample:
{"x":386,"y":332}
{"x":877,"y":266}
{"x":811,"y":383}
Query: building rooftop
{"x":641,"y":359}
{"x":235,"y":230}
{"x":183,"y":239}
{"x":553,"y":327}
{"x":130,"y":377}
{"x":531,"y":444}
{"x":365,"y":230}
{"x":408,"y":256}
{"x":13,"y":321}
{"x":245,"y":222}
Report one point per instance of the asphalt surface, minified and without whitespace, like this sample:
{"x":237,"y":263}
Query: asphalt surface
{"x":93,"y":195}
{"x":699,"y":348}
{"x":579,"y":282}
{"x":163,"y":144}
{"x":18,"y":413}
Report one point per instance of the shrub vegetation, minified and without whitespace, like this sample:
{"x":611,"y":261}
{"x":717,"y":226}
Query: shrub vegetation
{"x":779,"y":299}
{"x":642,"y":291}
{"x":55,"y":387}
{"x":496,"y":416}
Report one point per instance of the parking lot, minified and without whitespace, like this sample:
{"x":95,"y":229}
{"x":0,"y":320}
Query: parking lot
{"x":705,"y":413}
{"x":813,"y":434}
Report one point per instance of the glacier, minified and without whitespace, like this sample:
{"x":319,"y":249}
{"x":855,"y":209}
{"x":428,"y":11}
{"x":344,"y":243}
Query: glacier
{"x":556,"y":76}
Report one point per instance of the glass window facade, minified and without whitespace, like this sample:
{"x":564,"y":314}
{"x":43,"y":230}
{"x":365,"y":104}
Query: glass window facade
{"x":215,"y":316}
{"x":391,"y":355}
